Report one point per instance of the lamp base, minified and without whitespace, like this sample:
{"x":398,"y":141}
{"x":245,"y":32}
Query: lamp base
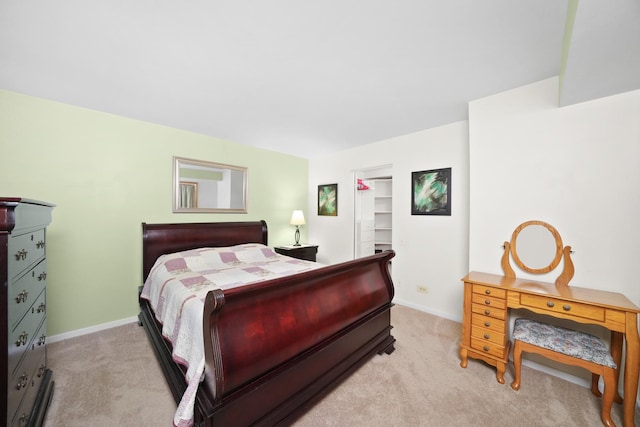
{"x":297,"y":235}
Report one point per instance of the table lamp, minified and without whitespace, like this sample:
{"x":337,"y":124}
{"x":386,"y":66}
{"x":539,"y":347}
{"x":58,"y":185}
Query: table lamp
{"x":297,"y":219}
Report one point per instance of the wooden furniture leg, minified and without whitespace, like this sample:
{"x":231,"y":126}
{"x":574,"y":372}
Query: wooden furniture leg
{"x":631,"y":369}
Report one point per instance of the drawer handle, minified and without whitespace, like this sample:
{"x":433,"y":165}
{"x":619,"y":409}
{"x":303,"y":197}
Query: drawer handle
{"x":487,"y":302}
{"x":24,"y":380}
{"x":566,"y":307}
{"x":22,"y":296}
{"x":42,"y":339}
{"x":487,"y":324}
{"x":41,"y":308}
{"x":486,"y":336}
{"x":40,"y":244}
{"x":41,"y":370}
{"x":487,"y":291}
{"x":22,"y":421}
{"x":22,"y":339}
{"x":550,"y":304}
{"x":487,"y":312}
{"x":42,"y":276}
{"x":485,"y":348}
{"x":21,"y":255}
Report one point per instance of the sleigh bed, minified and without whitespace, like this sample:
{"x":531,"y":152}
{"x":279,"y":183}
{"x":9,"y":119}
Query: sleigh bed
{"x":271,"y":348}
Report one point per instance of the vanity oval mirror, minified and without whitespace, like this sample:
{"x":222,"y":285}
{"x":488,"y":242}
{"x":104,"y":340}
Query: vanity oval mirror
{"x":200,"y":186}
{"x":536,"y":247}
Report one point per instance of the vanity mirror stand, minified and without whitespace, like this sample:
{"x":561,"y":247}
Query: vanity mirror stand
{"x":536,"y":248}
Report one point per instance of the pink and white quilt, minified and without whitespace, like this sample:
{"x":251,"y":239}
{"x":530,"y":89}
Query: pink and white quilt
{"x":177,"y":286}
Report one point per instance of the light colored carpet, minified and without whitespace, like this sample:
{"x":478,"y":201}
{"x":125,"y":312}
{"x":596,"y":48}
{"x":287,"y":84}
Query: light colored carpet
{"x":112,"y":378}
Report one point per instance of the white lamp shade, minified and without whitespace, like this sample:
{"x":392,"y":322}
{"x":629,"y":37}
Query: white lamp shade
{"x":297,"y":218}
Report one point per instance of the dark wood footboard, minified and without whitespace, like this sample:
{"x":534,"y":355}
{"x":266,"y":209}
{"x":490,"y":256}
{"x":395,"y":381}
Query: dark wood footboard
{"x":274,"y":348}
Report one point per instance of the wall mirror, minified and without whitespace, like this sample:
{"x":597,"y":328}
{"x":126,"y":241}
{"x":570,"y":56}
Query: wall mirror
{"x":536,"y":247}
{"x":200,"y":186}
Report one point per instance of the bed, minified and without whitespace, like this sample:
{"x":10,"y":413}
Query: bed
{"x":271,"y":348}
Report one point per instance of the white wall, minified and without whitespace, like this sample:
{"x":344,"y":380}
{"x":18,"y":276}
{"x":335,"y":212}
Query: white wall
{"x":431,"y":250}
{"x":576,"y":167}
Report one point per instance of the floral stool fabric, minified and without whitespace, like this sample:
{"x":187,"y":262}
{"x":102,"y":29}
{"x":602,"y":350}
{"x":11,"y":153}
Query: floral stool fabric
{"x":566,"y":341}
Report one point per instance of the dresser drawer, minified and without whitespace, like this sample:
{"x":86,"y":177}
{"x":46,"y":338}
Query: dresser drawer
{"x":552,"y":305}
{"x":488,"y":322}
{"x":26,"y":336}
{"x":22,"y":390}
{"x":489,"y":291}
{"x":24,"y":250}
{"x":24,"y":291}
{"x":488,"y":301}
{"x":486,"y":347}
{"x":496,"y":313}
{"x":488,"y":335}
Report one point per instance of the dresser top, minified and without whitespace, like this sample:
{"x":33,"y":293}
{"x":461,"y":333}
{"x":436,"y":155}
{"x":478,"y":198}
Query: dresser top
{"x":12,"y":201}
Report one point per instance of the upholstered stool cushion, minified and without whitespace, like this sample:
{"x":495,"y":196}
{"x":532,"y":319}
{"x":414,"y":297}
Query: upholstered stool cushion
{"x":566,"y":341}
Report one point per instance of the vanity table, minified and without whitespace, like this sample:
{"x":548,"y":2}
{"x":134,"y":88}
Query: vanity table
{"x":489,"y":297}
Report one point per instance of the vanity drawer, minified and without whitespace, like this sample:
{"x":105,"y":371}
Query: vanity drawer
{"x":497,"y":325}
{"x":24,"y":291}
{"x":569,"y":308}
{"x":488,"y":301}
{"x":487,"y":335}
{"x":482,"y":309}
{"x":489,"y":291}
{"x":25,"y":250}
{"x":483,"y":346}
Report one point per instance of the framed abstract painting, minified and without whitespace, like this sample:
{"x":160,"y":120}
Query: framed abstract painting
{"x":328,"y":200}
{"x":431,"y":192}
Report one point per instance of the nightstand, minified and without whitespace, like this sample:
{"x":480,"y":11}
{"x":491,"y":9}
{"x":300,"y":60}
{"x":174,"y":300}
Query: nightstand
{"x":306,"y":252}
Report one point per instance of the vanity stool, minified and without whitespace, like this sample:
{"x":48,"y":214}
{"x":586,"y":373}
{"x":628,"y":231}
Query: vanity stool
{"x":569,"y":347}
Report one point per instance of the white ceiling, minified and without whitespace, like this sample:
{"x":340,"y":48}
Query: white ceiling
{"x":308,"y":77}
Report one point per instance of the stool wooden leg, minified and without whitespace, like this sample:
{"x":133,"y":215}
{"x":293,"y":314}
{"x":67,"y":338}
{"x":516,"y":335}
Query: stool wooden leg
{"x":594,"y":385}
{"x":616,"y":352}
{"x":517,"y":365}
{"x":610,"y":391}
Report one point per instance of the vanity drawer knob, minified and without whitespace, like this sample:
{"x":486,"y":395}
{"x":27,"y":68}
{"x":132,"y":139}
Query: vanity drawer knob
{"x":487,"y":312}
{"x":550,"y":304}
{"x":487,"y":324}
{"x":486,"y":336}
{"x":485,"y":348}
{"x":487,"y":302}
{"x":566,"y":307}
{"x":487,"y":291}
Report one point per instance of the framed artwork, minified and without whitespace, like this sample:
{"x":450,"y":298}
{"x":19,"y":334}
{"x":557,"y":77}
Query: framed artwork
{"x":431,"y":192}
{"x":328,"y":200}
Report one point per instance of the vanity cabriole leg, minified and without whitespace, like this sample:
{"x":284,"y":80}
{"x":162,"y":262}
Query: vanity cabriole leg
{"x":463,"y":358}
{"x":631,"y":369}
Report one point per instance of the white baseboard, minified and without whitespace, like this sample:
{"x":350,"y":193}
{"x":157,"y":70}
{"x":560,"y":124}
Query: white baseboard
{"x":91,"y":329}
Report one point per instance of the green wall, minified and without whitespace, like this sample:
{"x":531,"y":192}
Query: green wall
{"x":108,"y":174}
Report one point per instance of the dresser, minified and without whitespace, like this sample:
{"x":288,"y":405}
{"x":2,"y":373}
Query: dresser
{"x":305,"y":252}
{"x":488,"y":299}
{"x":23,"y":327}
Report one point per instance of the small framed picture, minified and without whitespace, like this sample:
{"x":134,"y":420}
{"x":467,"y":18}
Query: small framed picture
{"x":431,"y":192}
{"x":328,"y":200}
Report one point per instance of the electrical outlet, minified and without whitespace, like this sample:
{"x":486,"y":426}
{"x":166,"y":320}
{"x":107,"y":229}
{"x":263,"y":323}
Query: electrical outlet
{"x":423,"y":289}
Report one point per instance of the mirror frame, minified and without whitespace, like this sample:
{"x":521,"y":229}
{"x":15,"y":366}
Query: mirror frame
{"x":510,"y":248}
{"x":558,"y":242}
{"x":179,"y":161}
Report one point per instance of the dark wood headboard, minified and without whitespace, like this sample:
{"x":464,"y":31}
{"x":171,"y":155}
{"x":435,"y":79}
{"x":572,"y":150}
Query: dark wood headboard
{"x":160,"y":239}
